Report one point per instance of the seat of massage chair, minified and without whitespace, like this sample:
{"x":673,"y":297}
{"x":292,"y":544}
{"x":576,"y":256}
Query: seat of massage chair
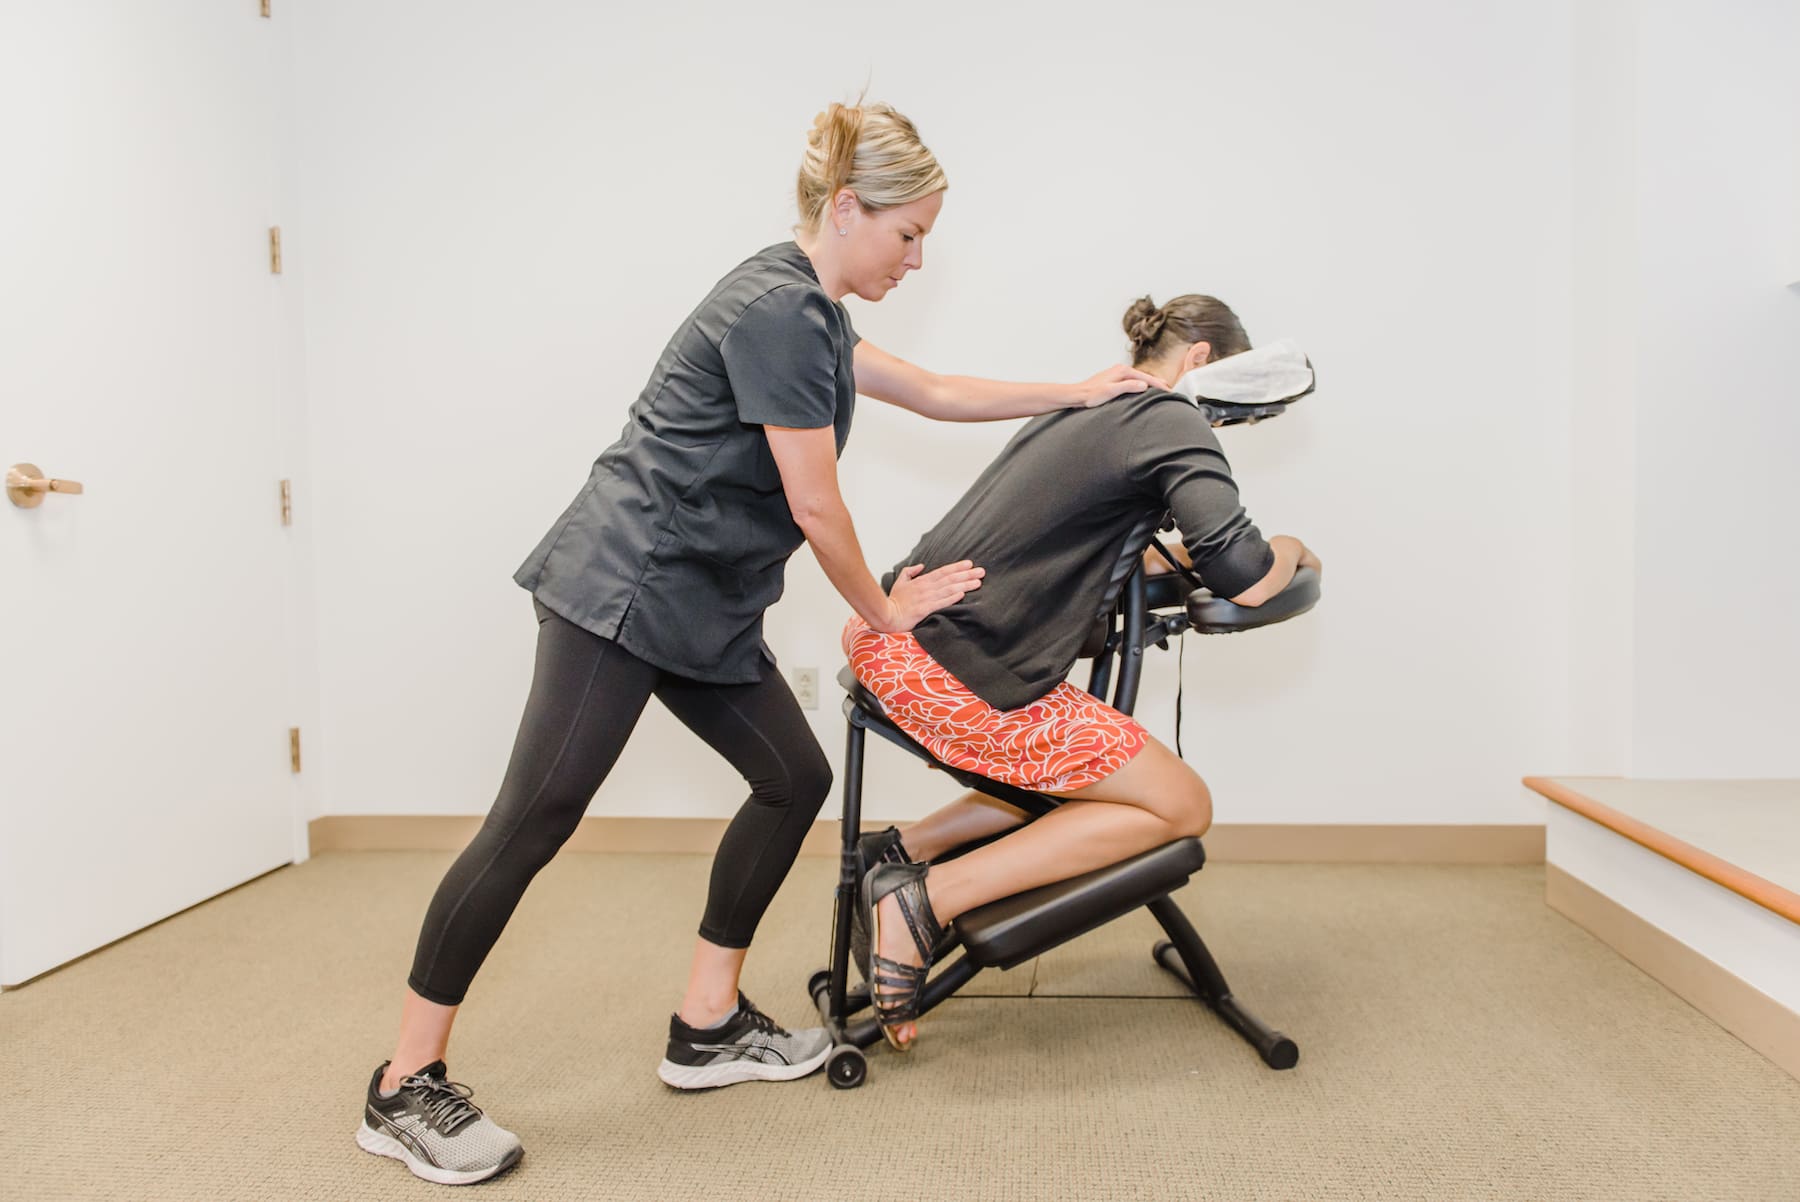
{"x":1015,"y":929}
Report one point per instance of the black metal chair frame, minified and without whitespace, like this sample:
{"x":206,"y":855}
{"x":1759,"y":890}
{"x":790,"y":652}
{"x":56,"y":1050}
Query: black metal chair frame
{"x":1011,"y":930}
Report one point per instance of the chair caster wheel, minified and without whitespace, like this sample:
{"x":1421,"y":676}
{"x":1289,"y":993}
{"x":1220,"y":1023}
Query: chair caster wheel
{"x":1283,"y":1053}
{"x":846,"y":1068}
{"x":816,"y":983}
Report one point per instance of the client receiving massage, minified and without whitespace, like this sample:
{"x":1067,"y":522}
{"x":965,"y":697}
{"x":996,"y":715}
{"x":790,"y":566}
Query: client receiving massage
{"x":981,"y":685}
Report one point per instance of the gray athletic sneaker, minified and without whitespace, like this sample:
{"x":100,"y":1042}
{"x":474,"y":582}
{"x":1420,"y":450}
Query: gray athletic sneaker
{"x":748,"y":1046}
{"x":430,"y":1125}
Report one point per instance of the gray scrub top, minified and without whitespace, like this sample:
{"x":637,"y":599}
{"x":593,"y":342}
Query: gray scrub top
{"x":680,"y":539}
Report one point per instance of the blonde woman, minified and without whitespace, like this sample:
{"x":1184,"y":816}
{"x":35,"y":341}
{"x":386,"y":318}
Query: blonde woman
{"x":654,"y":583}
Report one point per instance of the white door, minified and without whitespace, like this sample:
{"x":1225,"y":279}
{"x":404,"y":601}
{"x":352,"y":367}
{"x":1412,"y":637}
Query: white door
{"x":145,"y":691}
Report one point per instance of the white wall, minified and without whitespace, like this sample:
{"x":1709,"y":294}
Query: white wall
{"x":1687,"y":397}
{"x":1603,"y":401}
{"x":508,"y":210}
{"x":1718,"y":581}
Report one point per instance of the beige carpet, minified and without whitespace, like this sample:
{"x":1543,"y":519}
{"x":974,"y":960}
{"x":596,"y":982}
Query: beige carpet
{"x":1458,"y":1041}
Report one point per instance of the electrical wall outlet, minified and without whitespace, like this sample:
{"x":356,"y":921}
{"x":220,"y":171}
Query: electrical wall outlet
{"x":806,"y":688}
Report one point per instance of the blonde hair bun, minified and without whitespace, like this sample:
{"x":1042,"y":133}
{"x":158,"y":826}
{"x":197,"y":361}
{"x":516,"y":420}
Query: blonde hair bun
{"x":870,"y":149}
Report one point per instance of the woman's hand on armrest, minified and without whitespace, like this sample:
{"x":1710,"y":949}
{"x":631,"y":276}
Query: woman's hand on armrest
{"x":1290,"y":555}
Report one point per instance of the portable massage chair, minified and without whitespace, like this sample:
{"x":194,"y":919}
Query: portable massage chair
{"x":1143,"y":612}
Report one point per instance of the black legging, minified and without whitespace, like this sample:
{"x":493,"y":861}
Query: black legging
{"x":586,"y":695}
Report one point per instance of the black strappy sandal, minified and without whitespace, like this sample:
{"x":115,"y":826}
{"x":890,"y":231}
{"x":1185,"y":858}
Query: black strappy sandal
{"x":881,"y":847}
{"x":876,"y":847}
{"x":884,"y":847}
{"x":896,"y":989}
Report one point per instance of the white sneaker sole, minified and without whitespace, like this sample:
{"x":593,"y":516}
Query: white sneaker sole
{"x":371,"y":1140}
{"x":711,"y":1076}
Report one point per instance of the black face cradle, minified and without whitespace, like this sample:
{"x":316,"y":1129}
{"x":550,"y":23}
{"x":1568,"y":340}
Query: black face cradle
{"x":1218,"y":413}
{"x":1232,"y":413}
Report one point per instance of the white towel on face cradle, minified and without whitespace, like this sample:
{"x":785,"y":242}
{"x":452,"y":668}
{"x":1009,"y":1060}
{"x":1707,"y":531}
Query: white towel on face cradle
{"x":1267,"y":375}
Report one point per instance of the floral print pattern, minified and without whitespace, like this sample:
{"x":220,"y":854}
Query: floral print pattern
{"x":1065,"y":740}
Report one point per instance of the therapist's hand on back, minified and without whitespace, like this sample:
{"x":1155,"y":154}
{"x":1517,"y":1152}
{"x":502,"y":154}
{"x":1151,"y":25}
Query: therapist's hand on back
{"x":1116,"y":381}
{"x":915,"y":596}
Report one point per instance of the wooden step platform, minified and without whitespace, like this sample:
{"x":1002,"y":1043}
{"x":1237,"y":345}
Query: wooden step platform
{"x":1695,"y":882}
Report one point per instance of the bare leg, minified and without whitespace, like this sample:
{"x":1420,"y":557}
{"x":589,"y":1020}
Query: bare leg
{"x":1154,"y":799}
{"x":424,"y":1036}
{"x":1151,"y":800}
{"x":712,"y":988}
{"x":970,"y":817}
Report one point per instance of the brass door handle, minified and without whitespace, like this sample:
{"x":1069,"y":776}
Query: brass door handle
{"x":27,"y":485}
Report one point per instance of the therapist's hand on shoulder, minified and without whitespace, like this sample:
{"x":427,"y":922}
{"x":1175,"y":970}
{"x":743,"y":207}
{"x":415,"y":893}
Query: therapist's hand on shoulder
{"x":1116,"y":381}
{"x":917,"y":593}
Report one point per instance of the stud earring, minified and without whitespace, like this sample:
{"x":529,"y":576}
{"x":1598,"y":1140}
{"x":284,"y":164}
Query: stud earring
{"x":843,"y":230}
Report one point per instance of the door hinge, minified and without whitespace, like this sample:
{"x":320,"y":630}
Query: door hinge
{"x":274,"y":250}
{"x":294,"y":747}
{"x":287,"y":502}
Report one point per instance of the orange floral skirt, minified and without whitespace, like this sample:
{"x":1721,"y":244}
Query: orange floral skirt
{"x":1064,"y":741}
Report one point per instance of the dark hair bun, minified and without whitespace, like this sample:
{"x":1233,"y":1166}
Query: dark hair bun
{"x":1143,"y":323}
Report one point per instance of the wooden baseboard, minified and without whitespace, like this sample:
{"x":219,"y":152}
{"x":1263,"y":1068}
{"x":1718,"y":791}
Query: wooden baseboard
{"x":1295,"y":843}
{"x":1383,"y":843}
{"x":1753,"y":1016}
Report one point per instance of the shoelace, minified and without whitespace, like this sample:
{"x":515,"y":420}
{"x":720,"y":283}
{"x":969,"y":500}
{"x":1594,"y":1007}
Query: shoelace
{"x":446,"y":1103}
{"x":759,"y":1020}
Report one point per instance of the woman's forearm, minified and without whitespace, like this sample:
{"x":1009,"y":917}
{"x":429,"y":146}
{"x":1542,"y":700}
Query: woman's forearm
{"x":832,"y":536}
{"x":1156,"y":565}
{"x":1289,"y":552}
{"x":974,"y":399}
{"x":977,"y":399}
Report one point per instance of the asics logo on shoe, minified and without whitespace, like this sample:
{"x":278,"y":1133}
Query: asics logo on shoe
{"x":406,"y":1133}
{"x":744,"y":1051}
